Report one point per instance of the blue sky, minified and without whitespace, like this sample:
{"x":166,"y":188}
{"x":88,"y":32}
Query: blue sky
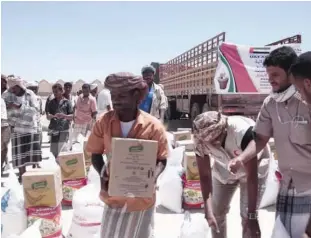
{"x":88,"y":40}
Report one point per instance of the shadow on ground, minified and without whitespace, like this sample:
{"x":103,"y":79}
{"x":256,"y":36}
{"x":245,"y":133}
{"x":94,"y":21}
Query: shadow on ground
{"x":163,"y":210}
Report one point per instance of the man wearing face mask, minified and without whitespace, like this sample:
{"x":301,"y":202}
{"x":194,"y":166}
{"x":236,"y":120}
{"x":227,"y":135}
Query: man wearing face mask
{"x":155,"y":101}
{"x":287,"y":119}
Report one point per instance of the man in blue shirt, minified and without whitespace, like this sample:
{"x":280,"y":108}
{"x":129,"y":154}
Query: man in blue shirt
{"x":155,"y":101}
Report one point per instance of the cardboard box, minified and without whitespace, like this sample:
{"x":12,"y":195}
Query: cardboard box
{"x":190,"y":165}
{"x":72,"y":165}
{"x":181,"y":135}
{"x":184,"y":129}
{"x":42,"y":188}
{"x":189,"y":144}
{"x":132,"y":168}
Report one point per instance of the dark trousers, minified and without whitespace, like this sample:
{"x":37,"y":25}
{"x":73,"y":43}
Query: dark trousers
{"x":58,"y":141}
{"x":5,"y":140}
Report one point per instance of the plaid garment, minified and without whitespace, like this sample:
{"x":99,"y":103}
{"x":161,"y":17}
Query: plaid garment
{"x":24,"y":119}
{"x":294,"y":209}
{"x":119,"y":224}
{"x":26,"y":149}
{"x":39,"y":99}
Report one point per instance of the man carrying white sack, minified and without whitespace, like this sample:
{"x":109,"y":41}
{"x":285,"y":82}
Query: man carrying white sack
{"x":127,"y":121}
{"x":221,"y":138}
{"x":287,"y":118}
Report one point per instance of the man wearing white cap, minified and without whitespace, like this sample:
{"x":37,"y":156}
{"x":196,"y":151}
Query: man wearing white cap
{"x":34,"y":86}
{"x":22,"y":109}
{"x":94,"y":90}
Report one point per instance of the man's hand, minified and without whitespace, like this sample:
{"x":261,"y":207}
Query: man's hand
{"x":50,"y":116}
{"x":235,"y":164}
{"x":60,"y":115}
{"x":13,"y":106}
{"x":251,"y":229}
{"x":211,"y":220}
{"x":104,"y":181}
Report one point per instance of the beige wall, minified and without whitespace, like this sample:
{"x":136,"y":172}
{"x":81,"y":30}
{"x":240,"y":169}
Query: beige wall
{"x":45,"y":87}
{"x":77,"y":85}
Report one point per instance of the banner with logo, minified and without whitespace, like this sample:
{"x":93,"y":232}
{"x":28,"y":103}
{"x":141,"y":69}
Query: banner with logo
{"x":240,"y":69}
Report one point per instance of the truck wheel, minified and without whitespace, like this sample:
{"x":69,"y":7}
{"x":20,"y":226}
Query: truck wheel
{"x":205,"y":108}
{"x":195,"y":110}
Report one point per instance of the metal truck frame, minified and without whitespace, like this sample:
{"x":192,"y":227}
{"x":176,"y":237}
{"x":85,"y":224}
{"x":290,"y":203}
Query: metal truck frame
{"x":188,"y":83}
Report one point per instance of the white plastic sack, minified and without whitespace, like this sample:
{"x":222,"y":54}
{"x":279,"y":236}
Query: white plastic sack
{"x":279,"y":230}
{"x":272,"y":186}
{"x":170,"y":141}
{"x":33,"y":231}
{"x":194,"y":226}
{"x":13,"y":213}
{"x":170,"y":138}
{"x":49,"y":163}
{"x":77,"y":147}
{"x":170,"y":190}
{"x":176,"y":157}
{"x":97,"y":235}
{"x":87,"y":212}
{"x":93,"y":178}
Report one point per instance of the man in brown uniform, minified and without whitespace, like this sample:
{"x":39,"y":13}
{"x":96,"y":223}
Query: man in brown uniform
{"x":285,"y":117}
{"x":301,"y":72}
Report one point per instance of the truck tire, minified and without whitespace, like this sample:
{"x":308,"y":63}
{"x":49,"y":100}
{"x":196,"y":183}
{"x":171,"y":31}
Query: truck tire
{"x":205,"y":107}
{"x":195,"y":110}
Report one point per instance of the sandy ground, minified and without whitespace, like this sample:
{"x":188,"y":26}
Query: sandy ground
{"x":168,"y":225}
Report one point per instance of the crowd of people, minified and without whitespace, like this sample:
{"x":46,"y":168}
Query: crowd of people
{"x":134,"y":106}
{"x":69,"y":115}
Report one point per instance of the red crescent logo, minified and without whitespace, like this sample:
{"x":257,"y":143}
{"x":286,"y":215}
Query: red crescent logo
{"x":236,"y":152}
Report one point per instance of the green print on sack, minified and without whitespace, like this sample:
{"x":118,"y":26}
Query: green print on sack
{"x":136,"y":148}
{"x":72,"y":162}
{"x":184,"y":137}
{"x":38,"y":185}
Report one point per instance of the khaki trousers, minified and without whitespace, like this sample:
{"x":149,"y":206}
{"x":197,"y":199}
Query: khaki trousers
{"x":221,"y":199}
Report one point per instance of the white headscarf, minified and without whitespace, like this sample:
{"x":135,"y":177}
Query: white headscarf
{"x":284,"y":96}
{"x":93,"y":86}
{"x":16,"y":81}
{"x":32,"y":84}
